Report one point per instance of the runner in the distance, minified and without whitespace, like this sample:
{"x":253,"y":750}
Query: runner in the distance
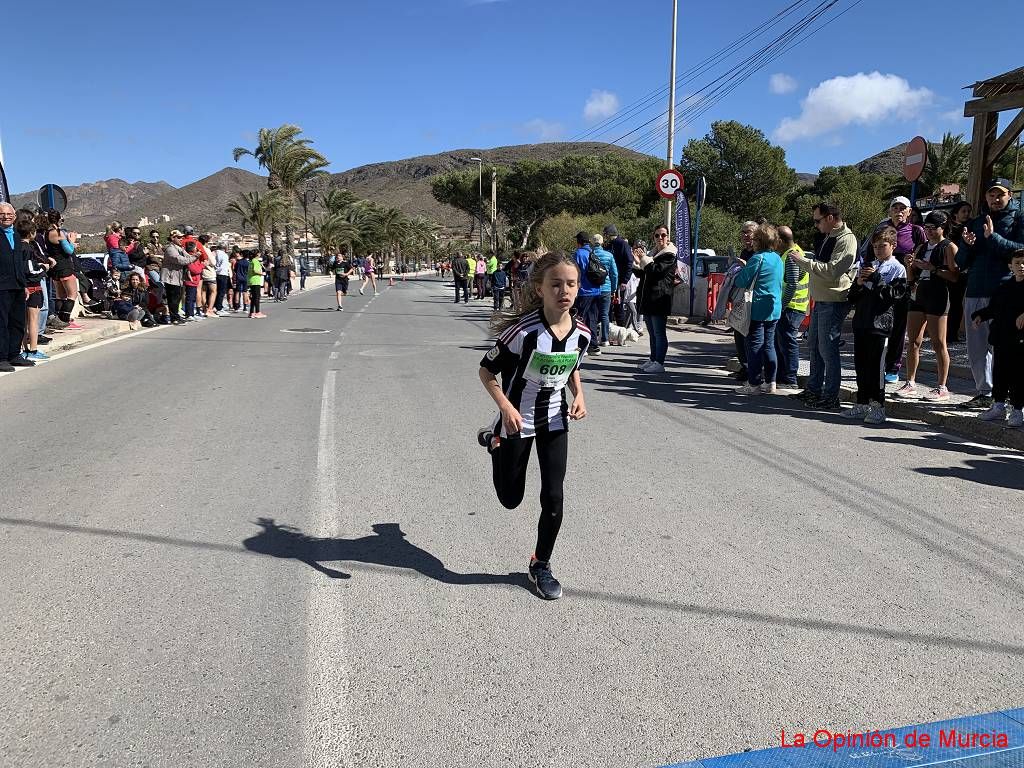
{"x":370,"y":277}
{"x":538,"y":353}
{"x":343,"y":269}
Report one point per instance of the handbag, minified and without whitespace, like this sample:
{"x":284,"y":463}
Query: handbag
{"x":742,"y":311}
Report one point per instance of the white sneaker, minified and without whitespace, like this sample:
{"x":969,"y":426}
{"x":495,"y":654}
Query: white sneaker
{"x":223,"y":313}
{"x":768,"y":388}
{"x":653,"y":367}
{"x":786,"y":389}
{"x":875,"y":414}
{"x":748,"y":389}
{"x":376,"y":294}
{"x":360,"y":291}
{"x":996,"y":413}
{"x":1016,"y":418}
{"x":857,"y":413}
{"x":937,"y":395}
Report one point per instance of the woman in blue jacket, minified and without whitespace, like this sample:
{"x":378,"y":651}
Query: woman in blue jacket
{"x":764,"y":272}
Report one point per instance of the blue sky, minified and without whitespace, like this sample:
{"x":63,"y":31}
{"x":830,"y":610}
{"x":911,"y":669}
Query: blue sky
{"x":142,"y":92}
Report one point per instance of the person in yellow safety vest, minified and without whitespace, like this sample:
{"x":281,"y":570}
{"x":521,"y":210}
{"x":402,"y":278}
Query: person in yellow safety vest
{"x":795,"y":300}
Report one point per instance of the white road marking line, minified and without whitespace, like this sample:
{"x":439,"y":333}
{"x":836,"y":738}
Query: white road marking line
{"x":327,"y":735}
{"x":93,"y":345}
{"x":334,"y":355}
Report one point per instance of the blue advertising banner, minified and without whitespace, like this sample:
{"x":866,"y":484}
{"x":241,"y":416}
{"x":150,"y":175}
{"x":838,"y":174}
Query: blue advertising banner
{"x":682,"y":237}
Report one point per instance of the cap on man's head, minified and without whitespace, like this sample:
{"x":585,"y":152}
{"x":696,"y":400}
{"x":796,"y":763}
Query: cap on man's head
{"x":189,"y":231}
{"x":905,"y":202}
{"x":175,"y":233}
{"x":1004,"y":184}
{"x":611,"y":231}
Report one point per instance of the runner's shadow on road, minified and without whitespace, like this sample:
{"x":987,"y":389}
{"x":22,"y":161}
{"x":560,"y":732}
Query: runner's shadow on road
{"x":387,"y":546}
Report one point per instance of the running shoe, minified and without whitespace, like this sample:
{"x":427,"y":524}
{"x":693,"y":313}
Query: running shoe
{"x":768,"y":388}
{"x":892,"y":378}
{"x":339,"y":309}
{"x":996,"y":413}
{"x":875,"y":414}
{"x":1016,"y":418}
{"x":977,"y":403}
{"x":36,"y":355}
{"x":907,"y":392}
{"x":857,"y":413}
{"x":73,"y":326}
{"x":43,"y":340}
{"x":787,"y":389}
{"x":652,"y":367}
{"x":360,"y":291}
{"x":546,"y":584}
{"x":21,"y":362}
{"x":937,"y":395}
{"x":748,"y":389}
{"x":376,"y":294}
{"x":594,"y":351}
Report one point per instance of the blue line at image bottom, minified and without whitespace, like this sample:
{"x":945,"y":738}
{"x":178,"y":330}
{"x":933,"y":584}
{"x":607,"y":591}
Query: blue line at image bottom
{"x":940,"y":751}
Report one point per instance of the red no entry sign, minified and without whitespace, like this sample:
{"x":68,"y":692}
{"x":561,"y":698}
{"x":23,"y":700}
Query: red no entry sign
{"x":914,"y":159}
{"x":669,"y":182}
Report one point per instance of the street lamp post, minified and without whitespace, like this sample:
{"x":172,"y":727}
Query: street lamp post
{"x":480,"y":196}
{"x":306,"y":194}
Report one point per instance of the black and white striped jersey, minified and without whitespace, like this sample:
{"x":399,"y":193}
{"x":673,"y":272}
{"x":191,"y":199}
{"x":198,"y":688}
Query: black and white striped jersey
{"x":535,"y":366}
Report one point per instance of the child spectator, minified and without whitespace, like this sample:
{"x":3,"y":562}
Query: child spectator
{"x":35,"y":271}
{"x":879,"y":286}
{"x":1006,"y":335}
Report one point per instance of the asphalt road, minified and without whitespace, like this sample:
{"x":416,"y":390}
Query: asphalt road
{"x":226,"y":545}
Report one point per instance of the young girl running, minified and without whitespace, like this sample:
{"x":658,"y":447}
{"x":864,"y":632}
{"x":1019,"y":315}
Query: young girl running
{"x":538,"y":354}
{"x":369,"y":278}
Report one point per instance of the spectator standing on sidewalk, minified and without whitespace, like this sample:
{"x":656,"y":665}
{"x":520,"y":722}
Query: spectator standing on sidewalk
{"x":988,"y":242}
{"x":499,"y":285}
{"x":623,"y":255}
{"x":12,"y":294}
{"x":589,"y":295}
{"x":959,"y":215}
{"x":172,"y":270}
{"x":460,"y":273}
{"x":1005,"y":315}
{"x":604,"y":302}
{"x":932,"y":269}
{"x":880,"y":284}
{"x":747,"y":237}
{"x":795,"y":300}
{"x":830,"y":280}
{"x":763,"y":274}
{"x":223,"y":267}
{"x":657,"y":273}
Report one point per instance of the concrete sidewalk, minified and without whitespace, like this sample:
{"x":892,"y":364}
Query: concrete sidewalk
{"x":943,"y":415}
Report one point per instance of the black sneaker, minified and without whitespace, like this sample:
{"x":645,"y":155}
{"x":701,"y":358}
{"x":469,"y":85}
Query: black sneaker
{"x":826,"y":403}
{"x":44,"y":340}
{"x":6,"y":367}
{"x":21,"y":362}
{"x":594,"y":351}
{"x":485,"y":436}
{"x":545,"y":582}
{"x":806,"y":395}
{"x":978,"y":402}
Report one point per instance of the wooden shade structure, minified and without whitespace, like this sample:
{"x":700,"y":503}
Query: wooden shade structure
{"x":997,"y":94}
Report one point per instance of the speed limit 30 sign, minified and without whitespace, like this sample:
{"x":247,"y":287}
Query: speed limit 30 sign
{"x":669,"y":182}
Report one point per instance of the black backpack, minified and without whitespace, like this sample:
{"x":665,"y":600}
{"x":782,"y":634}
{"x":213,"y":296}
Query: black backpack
{"x":595,"y":273}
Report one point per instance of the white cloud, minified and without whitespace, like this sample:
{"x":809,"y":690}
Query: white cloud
{"x":600,"y":105}
{"x":543,"y":129}
{"x":781,"y":84}
{"x":861,"y":99}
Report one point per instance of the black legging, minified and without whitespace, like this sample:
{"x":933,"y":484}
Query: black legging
{"x":254,"y":299}
{"x":741,"y":348}
{"x":509,"y":461}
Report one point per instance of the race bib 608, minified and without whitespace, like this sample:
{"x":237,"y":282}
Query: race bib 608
{"x":551,"y":369}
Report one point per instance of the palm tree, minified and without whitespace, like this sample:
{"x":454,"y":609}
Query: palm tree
{"x":259,"y":211}
{"x":339,"y":200}
{"x":392,"y":226}
{"x":948,"y":163}
{"x":290,"y":163}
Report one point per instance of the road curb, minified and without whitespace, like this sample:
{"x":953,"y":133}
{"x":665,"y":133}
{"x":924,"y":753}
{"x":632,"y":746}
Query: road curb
{"x":105,"y":329}
{"x":965,"y":424}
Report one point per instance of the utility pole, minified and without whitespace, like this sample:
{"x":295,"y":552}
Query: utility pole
{"x":494,"y":209}
{"x":669,"y":160}
{"x":480,"y":196}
